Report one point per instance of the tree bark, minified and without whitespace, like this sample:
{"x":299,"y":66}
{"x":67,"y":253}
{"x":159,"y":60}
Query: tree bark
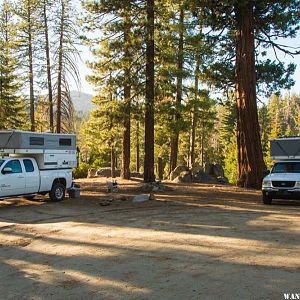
{"x":149,"y":110}
{"x":137,"y":146}
{"x":60,"y":66}
{"x":250,"y":156}
{"x":202,"y":145}
{"x":125,"y":171}
{"x":194,"y":118}
{"x":179,"y":80}
{"x":30,"y":61}
{"x":112,"y":162}
{"x":49,"y":79}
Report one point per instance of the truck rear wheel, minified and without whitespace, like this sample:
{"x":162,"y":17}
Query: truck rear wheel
{"x":57,"y":192}
{"x":266,"y":200}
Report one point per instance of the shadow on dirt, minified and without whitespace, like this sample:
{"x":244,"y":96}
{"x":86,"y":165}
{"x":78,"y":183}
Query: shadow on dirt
{"x":187,"y":244}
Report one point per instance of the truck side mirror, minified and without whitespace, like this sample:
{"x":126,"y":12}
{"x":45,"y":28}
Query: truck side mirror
{"x":7,"y":171}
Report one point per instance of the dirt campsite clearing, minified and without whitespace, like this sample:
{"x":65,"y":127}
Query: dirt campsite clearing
{"x":192,"y":242}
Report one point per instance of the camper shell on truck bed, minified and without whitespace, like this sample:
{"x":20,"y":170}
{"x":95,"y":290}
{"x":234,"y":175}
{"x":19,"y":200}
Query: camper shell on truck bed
{"x":283,"y":181}
{"x":286,"y":148}
{"x":51,"y":151}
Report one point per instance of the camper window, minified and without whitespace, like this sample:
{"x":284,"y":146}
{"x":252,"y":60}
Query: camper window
{"x":36,"y":141}
{"x":65,"y":142}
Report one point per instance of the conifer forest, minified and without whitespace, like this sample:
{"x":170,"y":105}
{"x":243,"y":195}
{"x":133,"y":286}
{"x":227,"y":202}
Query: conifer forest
{"x":176,"y":83}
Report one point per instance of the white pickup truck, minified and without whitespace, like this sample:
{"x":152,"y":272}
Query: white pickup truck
{"x":283,"y":182}
{"x":22,"y":177}
{"x":36,"y":163}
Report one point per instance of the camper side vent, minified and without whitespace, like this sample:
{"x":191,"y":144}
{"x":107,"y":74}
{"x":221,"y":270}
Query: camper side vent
{"x":65,"y":142}
{"x":36,"y":141}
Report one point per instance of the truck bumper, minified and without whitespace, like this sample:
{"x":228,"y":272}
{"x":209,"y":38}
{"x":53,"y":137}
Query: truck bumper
{"x":293,"y":194}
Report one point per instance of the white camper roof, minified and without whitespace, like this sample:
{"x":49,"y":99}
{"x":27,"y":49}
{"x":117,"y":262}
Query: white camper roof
{"x":285,"y":148}
{"x":26,"y":140}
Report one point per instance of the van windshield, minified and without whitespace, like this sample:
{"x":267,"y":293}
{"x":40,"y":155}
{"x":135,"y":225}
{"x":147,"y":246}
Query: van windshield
{"x":286,"y":167}
{"x":1,"y":162}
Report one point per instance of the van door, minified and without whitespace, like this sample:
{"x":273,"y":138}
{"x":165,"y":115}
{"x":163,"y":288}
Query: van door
{"x":12,"y":183}
{"x":32,"y":182}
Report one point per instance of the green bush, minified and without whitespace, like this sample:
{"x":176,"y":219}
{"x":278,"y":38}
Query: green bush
{"x":81,"y":171}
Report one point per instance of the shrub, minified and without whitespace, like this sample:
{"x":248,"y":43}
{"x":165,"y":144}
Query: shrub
{"x":81,"y":171}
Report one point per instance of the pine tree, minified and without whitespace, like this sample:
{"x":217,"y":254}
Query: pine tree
{"x":149,"y":109}
{"x":12,"y":111}
{"x":26,"y":11}
{"x":44,"y":13}
{"x":245,"y":24}
{"x":66,"y":55}
{"x":275,"y":114}
{"x":102,"y":131}
{"x":179,"y":85}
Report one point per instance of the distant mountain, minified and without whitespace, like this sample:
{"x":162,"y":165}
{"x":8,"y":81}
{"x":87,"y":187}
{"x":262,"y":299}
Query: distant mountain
{"x":82,"y":102}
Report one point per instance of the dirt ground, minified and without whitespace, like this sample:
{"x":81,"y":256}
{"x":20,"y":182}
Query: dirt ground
{"x":194,"y":242}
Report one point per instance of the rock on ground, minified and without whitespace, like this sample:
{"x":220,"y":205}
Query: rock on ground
{"x":184,"y":177}
{"x":176,"y":172}
{"x":106,"y":172}
{"x":91,"y":173}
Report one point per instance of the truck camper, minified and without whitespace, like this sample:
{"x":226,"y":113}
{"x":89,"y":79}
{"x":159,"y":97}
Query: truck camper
{"x":283,"y":182}
{"x":36,"y":163}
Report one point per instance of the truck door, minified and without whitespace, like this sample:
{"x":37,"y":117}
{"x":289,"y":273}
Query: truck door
{"x":32,"y":181}
{"x":12,"y":183}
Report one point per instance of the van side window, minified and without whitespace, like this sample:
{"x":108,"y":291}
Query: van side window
{"x":28,"y":165}
{"x":14,"y":165}
{"x":65,"y":142}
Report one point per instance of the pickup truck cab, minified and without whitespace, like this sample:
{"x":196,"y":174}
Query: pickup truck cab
{"x":21,"y":176}
{"x":283,"y":182}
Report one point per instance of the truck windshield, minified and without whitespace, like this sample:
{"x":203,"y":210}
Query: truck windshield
{"x":1,"y":162}
{"x":286,"y":167}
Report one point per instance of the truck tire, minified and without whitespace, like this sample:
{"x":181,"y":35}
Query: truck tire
{"x":57,"y":192}
{"x":266,"y":200}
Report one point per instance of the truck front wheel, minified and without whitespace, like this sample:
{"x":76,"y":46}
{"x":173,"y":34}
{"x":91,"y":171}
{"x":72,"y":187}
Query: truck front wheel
{"x":57,"y":192}
{"x":267,"y":200}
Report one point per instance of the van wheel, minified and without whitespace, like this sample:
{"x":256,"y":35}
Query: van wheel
{"x":57,"y":192}
{"x":267,"y":200}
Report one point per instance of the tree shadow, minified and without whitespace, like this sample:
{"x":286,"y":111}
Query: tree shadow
{"x":136,"y":268}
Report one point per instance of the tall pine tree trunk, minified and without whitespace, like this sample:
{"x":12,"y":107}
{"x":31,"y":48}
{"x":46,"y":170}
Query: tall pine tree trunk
{"x":202,"y":145}
{"x":49,"y":79}
{"x":149,"y":113}
{"x":30,"y":61}
{"x":113,"y":161}
{"x":137,"y":146}
{"x":60,"y":66}
{"x":125,"y":171}
{"x":113,"y":158}
{"x":250,"y":156}
{"x":194,"y":118}
{"x":175,"y":137}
